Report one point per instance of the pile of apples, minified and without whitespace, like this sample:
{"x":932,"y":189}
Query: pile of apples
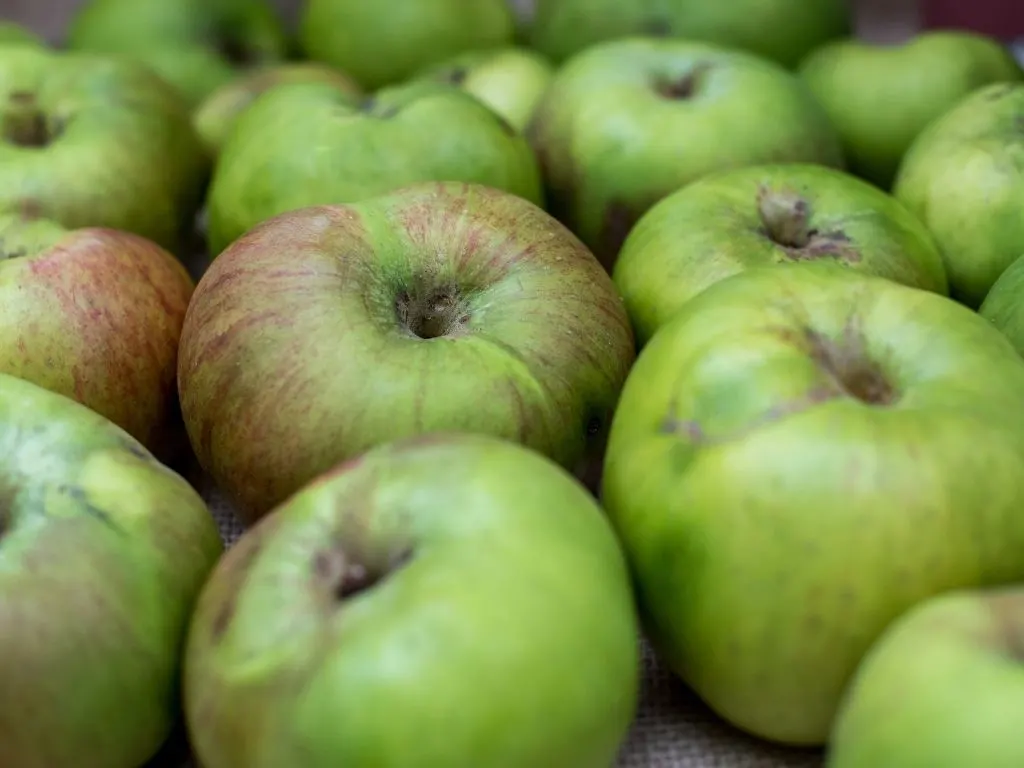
{"x":521,"y":337}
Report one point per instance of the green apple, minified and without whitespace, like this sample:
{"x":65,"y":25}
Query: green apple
{"x":800,"y":456}
{"x":442,"y":306}
{"x":388,"y":41}
{"x":509,"y":80}
{"x":15,"y":34}
{"x":216,"y":116}
{"x":88,"y":140}
{"x":941,"y":689}
{"x":103,"y":552}
{"x":1004,"y":304}
{"x":453,"y":600}
{"x":626,"y":123}
{"x":963,"y":177}
{"x":196,"y":45}
{"x":880,"y":97}
{"x":783,"y":30}
{"x":307,"y":144}
{"x":744,"y":218}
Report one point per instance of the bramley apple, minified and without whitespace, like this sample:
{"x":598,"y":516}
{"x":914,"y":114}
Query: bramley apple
{"x":95,"y":141}
{"x":760,"y":215}
{"x":942,"y":688}
{"x":95,"y":315}
{"x":196,"y":45}
{"x":215,"y":118}
{"x":451,"y":600}
{"x":962,"y":177}
{"x":783,"y":30}
{"x":329,"y":330}
{"x":880,"y":97}
{"x":511,"y":80}
{"x":388,"y":41}
{"x":307,"y":144}
{"x":801,"y":455}
{"x":626,"y":123}
{"x":103,"y":552}
{"x":15,"y":34}
{"x":1004,"y":304}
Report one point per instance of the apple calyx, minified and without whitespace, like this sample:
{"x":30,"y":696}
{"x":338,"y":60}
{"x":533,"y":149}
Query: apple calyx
{"x":432,"y":314}
{"x":23,"y":122}
{"x":685,"y":87}
{"x":347,"y":576}
{"x":786,"y":217}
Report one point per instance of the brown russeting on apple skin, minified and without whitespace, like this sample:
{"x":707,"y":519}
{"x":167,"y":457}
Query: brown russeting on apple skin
{"x":24,"y":123}
{"x":348,"y":576}
{"x":435,"y":314}
{"x":682,"y":88}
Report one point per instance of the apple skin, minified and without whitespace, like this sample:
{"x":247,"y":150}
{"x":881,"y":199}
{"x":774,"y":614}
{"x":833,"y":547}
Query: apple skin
{"x":880,"y":97}
{"x":102,"y":556}
{"x":196,"y":45}
{"x":962,"y":177}
{"x":941,"y":689}
{"x":782,"y":30}
{"x":403,"y":135}
{"x":751,"y":217}
{"x":95,"y":141}
{"x":388,"y":615}
{"x":15,"y":34}
{"x":626,"y":123}
{"x":1004,"y":304}
{"x":389,"y":41}
{"x":95,"y":315}
{"x":800,"y":456}
{"x":442,"y":306}
{"x":217,"y":115}
{"x":511,"y":81}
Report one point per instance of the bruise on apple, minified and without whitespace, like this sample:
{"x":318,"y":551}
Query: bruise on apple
{"x":786,"y":221}
{"x":79,"y":496}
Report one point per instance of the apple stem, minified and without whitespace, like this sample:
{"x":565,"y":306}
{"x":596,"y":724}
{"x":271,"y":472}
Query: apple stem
{"x":24,"y":124}
{"x":786,"y":218}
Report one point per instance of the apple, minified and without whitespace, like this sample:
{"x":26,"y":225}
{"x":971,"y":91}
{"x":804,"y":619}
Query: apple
{"x":196,"y":45}
{"x":15,"y":34}
{"x":1004,"y":304}
{"x":801,"y":455}
{"x":217,"y":115}
{"x":103,"y":553}
{"x":450,"y":600}
{"x":442,"y":306}
{"x":88,"y":140}
{"x":940,"y":689}
{"x":782,"y":30}
{"x":880,"y":97}
{"x":306,"y":144}
{"x":626,"y":123}
{"x":744,"y":218}
{"x":962,"y":177}
{"x":389,"y":41}
{"x":509,"y":80}
{"x":95,"y":315}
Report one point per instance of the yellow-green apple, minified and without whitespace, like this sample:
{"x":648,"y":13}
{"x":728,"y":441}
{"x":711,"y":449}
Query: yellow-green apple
{"x":941,"y":689}
{"x":103,"y":552}
{"x":962,"y":176}
{"x":95,"y":314}
{"x":509,"y":80}
{"x":800,"y":456}
{"x":880,"y":97}
{"x":1004,"y":304}
{"x":449,"y":600}
{"x":783,"y":30}
{"x":91,"y":140}
{"x":307,"y":144}
{"x":196,"y":45}
{"x":388,"y":41}
{"x":216,"y":116}
{"x":626,"y":123}
{"x":441,"y":306}
{"x":756,"y":216}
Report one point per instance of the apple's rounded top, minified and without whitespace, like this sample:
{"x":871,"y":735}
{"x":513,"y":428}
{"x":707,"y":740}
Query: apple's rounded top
{"x":14,"y":34}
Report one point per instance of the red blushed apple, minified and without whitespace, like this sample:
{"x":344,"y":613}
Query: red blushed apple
{"x":453,"y":307}
{"x":95,"y":315}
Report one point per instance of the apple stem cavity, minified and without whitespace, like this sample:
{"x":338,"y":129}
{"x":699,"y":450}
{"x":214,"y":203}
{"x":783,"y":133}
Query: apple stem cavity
{"x":682,"y":88}
{"x":849,"y":367}
{"x":349,"y":576}
{"x":24,"y":124}
{"x":433,"y":315}
{"x":786,"y":218}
